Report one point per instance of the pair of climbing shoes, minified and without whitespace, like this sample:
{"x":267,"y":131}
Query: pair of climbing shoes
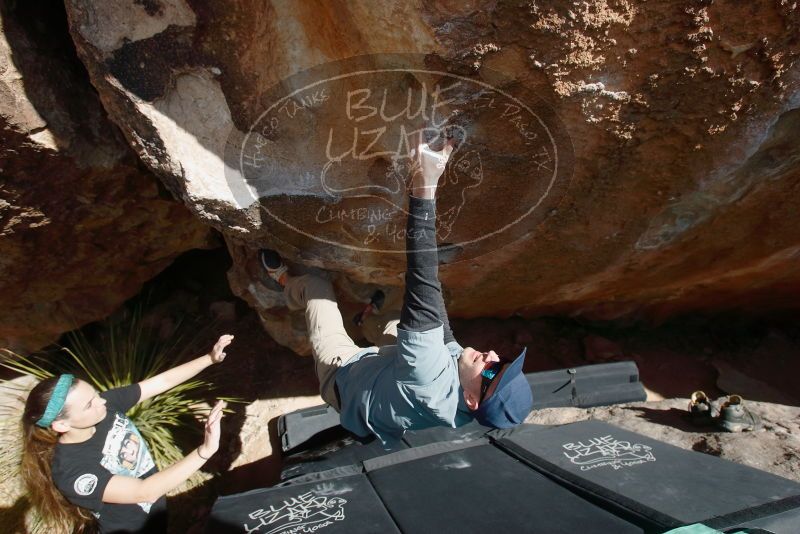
{"x":728,"y":413}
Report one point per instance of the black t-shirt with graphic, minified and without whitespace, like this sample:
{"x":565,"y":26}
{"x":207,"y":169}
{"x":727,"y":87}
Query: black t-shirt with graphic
{"x":81,"y":471}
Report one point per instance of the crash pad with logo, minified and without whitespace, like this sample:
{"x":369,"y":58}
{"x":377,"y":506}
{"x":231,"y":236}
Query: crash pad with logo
{"x":665,"y":486}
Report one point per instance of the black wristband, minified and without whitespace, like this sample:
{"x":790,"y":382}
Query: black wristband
{"x":200,"y":455}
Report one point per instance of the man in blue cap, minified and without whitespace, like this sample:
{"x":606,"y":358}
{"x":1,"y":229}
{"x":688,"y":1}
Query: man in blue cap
{"x":425,"y":379}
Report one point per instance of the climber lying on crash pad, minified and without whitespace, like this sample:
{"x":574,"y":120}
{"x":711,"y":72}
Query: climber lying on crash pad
{"x":426,"y":379}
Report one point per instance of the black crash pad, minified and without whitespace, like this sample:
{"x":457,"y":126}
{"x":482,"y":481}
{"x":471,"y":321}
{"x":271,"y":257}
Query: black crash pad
{"x":476,"y":487}
{"x":340,"y":505}
{"x":436,"y":434}
{"x":300,"y":426}
{"x":587,"y":386}
{"x":663,"y":485}
{"x":341,"y":452}
{"x":582,"y":477}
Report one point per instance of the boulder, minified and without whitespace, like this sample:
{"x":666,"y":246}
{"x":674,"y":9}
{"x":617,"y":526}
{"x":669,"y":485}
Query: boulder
{"x":617,"y":160}
{"x":82,"y":224}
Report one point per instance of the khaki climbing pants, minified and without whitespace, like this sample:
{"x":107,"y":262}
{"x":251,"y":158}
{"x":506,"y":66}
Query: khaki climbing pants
{"x":331,"y":345}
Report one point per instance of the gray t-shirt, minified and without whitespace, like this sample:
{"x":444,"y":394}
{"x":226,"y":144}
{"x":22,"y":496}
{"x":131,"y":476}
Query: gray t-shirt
{"x":412,"y":385}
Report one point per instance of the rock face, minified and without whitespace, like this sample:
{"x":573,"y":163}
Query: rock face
{"x":82,"y":224}
{"x":618,"y":161}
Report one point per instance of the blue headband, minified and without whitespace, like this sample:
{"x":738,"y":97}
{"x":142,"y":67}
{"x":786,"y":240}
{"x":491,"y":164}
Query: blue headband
{"x":56,"y":402}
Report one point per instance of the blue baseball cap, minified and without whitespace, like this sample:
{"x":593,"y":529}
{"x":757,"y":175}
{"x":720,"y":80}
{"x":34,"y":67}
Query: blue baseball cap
{"x":511,"y":401}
